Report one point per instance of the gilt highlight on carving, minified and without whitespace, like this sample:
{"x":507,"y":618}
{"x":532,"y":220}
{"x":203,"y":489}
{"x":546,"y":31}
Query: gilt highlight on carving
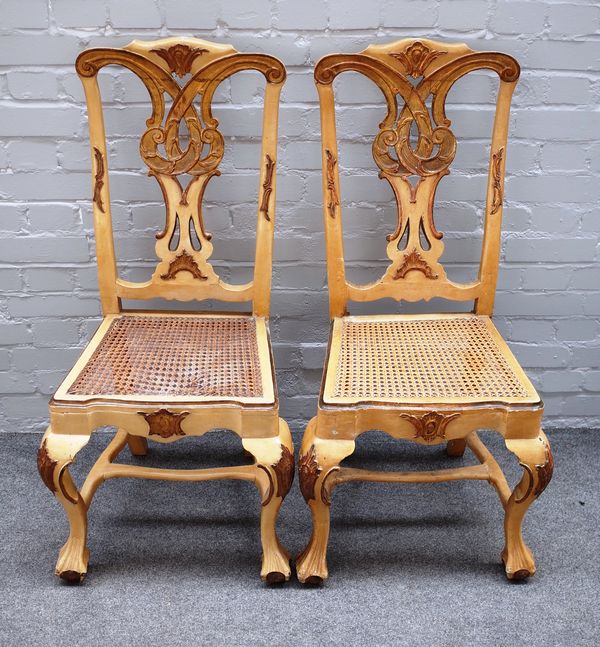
{"x":308,"y":473}
{"x":98,"y":179}
{"x":180,"y":57}
{"x":414,"y":261}
{"x":165,"y":423}
{"x":284,"y":469}
{"x":416,"y":58}
{"x":333,"y":199}
{"x":267,"y":186}
{"x":430,"y":426}
{"x":46,"y":466}
{"x":497,"y":180}
{"x":183,"y":262}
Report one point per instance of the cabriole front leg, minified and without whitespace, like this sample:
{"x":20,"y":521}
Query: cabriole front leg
{"x":535,"y":456}
{"x":55,"y":454}
{"x":275,"y":472}
{"x":318,"y":459}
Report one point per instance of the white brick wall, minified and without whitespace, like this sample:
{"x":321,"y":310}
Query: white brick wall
{"x":548,"y":303}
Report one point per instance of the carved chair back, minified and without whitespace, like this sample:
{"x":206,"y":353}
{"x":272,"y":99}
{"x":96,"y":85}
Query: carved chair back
{"x":413,"y":149}
{"x":183,"y":271}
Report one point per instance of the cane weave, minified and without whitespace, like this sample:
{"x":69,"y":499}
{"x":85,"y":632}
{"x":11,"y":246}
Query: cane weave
{"x":419,"y":359}
{"x":174,"y":356}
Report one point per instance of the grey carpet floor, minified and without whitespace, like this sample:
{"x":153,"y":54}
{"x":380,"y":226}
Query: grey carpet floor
{"x":178,"y":563}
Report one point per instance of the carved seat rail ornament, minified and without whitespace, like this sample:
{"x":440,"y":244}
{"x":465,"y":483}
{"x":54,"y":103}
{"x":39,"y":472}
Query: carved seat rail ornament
{"x":424,"y":378}
{"x":167,"y":375}
{"x":182,"y":170}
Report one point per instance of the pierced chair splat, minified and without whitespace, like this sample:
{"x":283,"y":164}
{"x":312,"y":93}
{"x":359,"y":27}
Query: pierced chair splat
{"x":165,"y":375}
{"x":431,"y":378}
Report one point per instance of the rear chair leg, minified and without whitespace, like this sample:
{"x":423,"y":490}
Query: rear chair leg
{"x":456,"y":447}
{"x":56,"y":452}
{"x":275,"y":471}
{"x":138,"y":445}
{"x":535,"y":456}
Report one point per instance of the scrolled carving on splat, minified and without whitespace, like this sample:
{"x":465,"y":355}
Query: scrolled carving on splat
{"x":166,"y":154}
{"x":424,"y":161}
{"x":414,"y":261}
{"x":183,"y":262}
{"x":414,"y":148}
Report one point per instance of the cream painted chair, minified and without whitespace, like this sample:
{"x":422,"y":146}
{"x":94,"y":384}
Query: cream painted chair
{"x":168,"y":375}
{"x":434,"y":378}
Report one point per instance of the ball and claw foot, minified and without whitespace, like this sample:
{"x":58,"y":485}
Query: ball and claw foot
{"x":276,"y":574}
{"x":55,"y":454}
{"x":274,"y":459}
{"x":73,"y":561}
{"x":276,"y":577}
{"x":276,"y":566}
{"x":518,"y":567}
{"x":535,"y":457}
{"x":311,"y":569}
{"x":319,"y":458}
{"x":311,"y":564}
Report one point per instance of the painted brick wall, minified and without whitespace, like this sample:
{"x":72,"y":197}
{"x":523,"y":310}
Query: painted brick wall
{"x":549,"y":298}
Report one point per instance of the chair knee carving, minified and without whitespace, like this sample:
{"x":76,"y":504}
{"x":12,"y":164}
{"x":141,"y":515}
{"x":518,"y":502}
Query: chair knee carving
{"x":166,"y":375}
{"x":434,"y":378}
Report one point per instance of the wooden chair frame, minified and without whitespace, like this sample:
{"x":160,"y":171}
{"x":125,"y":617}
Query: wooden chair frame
{"x":415,"y":273}
{"x":183,"y":274}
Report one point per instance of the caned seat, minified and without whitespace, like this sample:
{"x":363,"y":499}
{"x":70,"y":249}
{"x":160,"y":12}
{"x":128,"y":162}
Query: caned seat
{"x":175,"y":358}
{"x":414,"y":359}
{"x":165,"y":374}
{"x":425,"y":378}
